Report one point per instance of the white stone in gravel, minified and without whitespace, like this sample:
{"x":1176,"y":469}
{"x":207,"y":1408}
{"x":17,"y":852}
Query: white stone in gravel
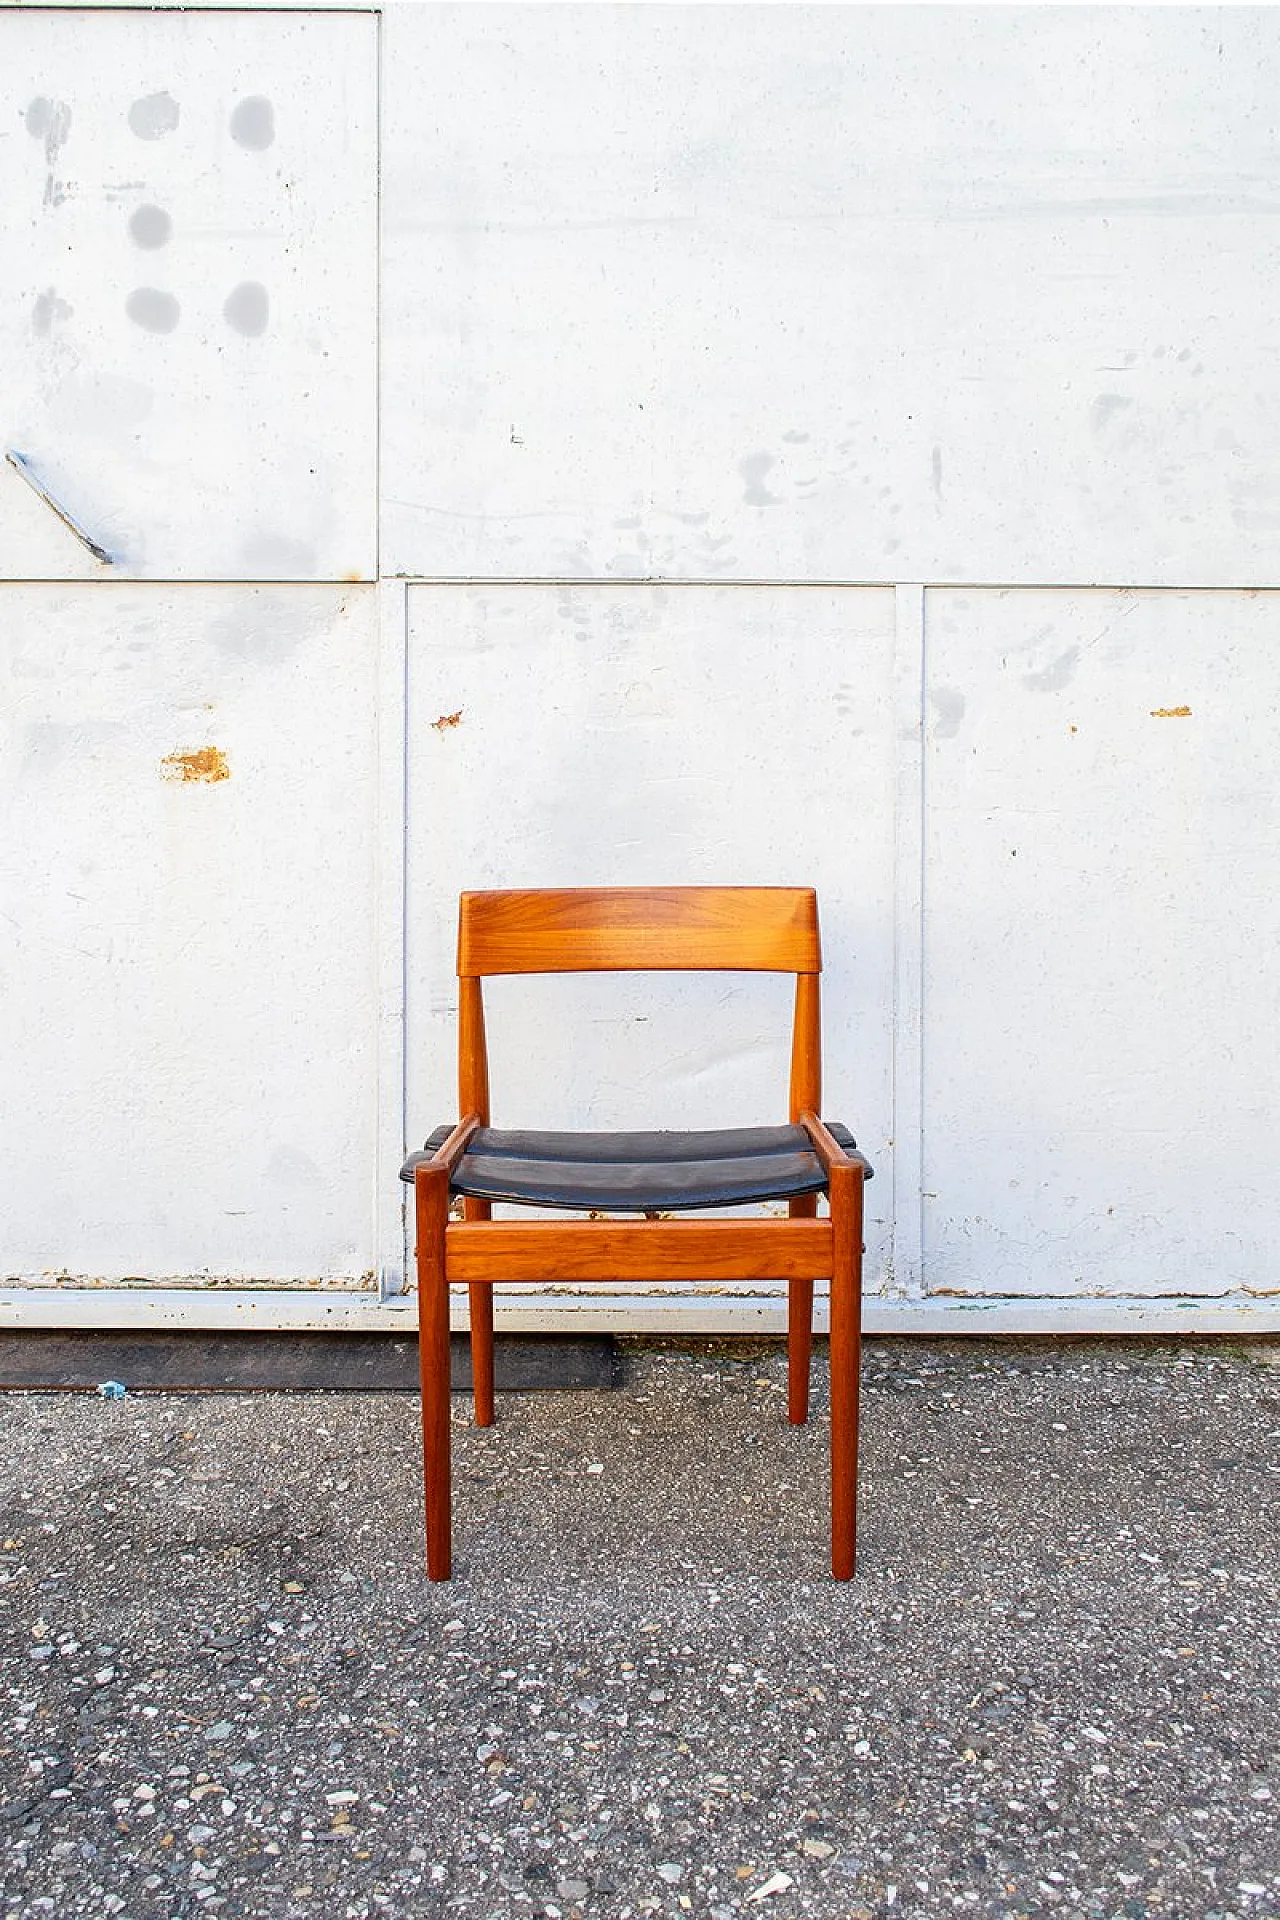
{"x":670,"y":1871}
{"x":344,"y":1797}
{"x":776,"y":1883}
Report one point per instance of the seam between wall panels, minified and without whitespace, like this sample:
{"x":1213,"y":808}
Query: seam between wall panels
{"x":669,"y":582}
{"x":578,"y":581}
{"x":907,"y":1231}
{"x":390,"y":1219}
{"x":379,"y":251}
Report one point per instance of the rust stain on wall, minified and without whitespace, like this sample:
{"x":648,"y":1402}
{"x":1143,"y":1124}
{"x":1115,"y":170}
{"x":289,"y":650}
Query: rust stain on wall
{"x":202,"y":763}
{"x":447,"y":720}
{"x":1170,"y":713}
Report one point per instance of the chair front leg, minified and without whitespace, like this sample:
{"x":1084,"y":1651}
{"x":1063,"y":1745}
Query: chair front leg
{"x":846,"y":1362}
{"x":799,"y":1325}
{"x":431,"y":1195}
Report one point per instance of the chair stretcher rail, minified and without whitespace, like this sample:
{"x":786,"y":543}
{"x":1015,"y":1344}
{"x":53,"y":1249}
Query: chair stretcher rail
{"x":503,"y":1250}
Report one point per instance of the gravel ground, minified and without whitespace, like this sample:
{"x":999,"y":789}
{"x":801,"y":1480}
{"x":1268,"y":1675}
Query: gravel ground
{"x":1051,"y":1689}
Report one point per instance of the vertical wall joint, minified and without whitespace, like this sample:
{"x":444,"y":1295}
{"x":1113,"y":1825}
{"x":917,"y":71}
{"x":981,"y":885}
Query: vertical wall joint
{"x":908,"y":970}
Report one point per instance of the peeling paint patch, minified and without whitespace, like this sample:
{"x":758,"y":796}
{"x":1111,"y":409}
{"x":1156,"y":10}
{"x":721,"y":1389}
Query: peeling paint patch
{"x":1170,"y":713}
{"x":201,"y":763}
{"x":448,"y":720}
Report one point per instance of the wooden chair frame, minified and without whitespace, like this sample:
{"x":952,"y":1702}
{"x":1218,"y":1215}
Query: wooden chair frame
{"x":770,"y":929}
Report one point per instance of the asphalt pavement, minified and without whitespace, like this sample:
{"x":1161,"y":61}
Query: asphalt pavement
{"x":1053,"y":1687}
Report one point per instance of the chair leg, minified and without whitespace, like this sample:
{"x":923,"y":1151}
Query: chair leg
{"x":799,"y":1325}
{"x":480,"y":1295}
{"x":431,"y":1194}
{"x":846,"y":1361}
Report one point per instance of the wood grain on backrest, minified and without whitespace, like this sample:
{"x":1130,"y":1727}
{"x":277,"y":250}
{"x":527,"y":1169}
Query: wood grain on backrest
{"x":623,"y":929}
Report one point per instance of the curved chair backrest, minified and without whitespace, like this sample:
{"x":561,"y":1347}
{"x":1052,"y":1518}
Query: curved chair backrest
{"x":630,"y":929}
{"x":626,"y":929}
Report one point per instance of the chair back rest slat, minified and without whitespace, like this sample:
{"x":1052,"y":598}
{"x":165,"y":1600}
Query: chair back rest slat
{"x":628,"y":929}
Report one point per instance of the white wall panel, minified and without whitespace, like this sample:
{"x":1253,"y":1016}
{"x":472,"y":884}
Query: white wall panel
{"x":188,"y":209}
{"x":1102,"y":944}
{"x":856,"y":293}
{"x":614,"y":736}
{"x":187,"y":963}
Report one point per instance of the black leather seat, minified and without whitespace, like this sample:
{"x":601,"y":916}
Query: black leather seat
{"x":635,"y":1172}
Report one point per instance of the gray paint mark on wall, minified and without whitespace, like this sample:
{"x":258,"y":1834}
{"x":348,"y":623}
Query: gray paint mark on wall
{"x":275,"y":556}
{"x":265,"y":629}
{"x":50,"y":121}
{"x":247,"y":308}
{"x":948,"y":709}
{"x":753,"y":469}
{"x":253,"y":123}
{"x":150,"y":227}
{"x":48,"y":308}
{"x":293,"y":1168}
{"x":1105,"y":408}
{"x":1056,"y":676}
{"x":103,"y":405}
{"x":154,"y":115}
{"x":148,"y":307}
{"x":937,"y":473}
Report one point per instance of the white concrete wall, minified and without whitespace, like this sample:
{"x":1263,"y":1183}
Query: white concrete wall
{"x":190,"y":217}
{"x":1101,"y":982}
{"x":833,"y":293}
{"x":187,"y":960}
{"x":828,"y":444}
{"x":599,"y":739}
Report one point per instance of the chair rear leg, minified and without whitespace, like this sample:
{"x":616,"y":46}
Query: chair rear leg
{"x":431,"y":1194}
{"x":799,"y":1325}
{"x":846,"y":1363}
{"x":480,"y":1295}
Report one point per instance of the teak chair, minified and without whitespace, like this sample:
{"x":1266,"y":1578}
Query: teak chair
{"x":768,"y":929}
